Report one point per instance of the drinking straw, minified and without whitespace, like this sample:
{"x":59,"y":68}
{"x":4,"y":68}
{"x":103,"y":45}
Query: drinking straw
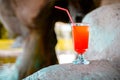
{"x":67,"y":13}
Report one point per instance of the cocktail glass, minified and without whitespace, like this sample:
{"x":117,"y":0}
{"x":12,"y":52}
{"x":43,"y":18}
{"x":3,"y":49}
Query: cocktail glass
{"x":80,"y":34}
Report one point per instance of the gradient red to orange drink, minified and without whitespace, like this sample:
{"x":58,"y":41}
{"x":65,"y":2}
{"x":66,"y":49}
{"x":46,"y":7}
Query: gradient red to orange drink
{"x":80,"y":38}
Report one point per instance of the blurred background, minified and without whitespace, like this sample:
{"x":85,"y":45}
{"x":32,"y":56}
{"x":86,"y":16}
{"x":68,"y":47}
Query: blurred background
{"x":64,"y":46}
{"x":34,"y":32}
{"x":7,"y":53}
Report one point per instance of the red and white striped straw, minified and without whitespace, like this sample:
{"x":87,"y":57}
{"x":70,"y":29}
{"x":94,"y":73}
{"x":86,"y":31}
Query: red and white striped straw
{"x":57,"y":7}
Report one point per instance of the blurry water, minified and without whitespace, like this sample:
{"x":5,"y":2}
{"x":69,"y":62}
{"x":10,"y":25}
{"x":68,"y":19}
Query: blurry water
{"x":8,"y":72}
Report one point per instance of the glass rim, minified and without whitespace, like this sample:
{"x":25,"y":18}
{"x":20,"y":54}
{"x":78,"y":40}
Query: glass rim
{"x":79,"y":24}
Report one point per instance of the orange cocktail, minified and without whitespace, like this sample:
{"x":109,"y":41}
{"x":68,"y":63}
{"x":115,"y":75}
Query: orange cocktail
{"x":80,"y":33}
{"x":80,"y":38}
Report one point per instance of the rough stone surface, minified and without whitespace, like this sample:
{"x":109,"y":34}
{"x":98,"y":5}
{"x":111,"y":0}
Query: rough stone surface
{"x":97,"y":70}
{"x":104,"y":34}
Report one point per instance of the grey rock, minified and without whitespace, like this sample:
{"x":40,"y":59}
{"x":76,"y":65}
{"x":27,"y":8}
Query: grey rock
{"x":96,"y":70}
{"x":104,"y":34}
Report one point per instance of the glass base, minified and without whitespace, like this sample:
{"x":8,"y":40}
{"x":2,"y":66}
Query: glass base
{"x":81,"y":60}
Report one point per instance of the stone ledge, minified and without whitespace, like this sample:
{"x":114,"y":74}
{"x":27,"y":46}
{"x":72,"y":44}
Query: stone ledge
{"x":96,"y":70}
